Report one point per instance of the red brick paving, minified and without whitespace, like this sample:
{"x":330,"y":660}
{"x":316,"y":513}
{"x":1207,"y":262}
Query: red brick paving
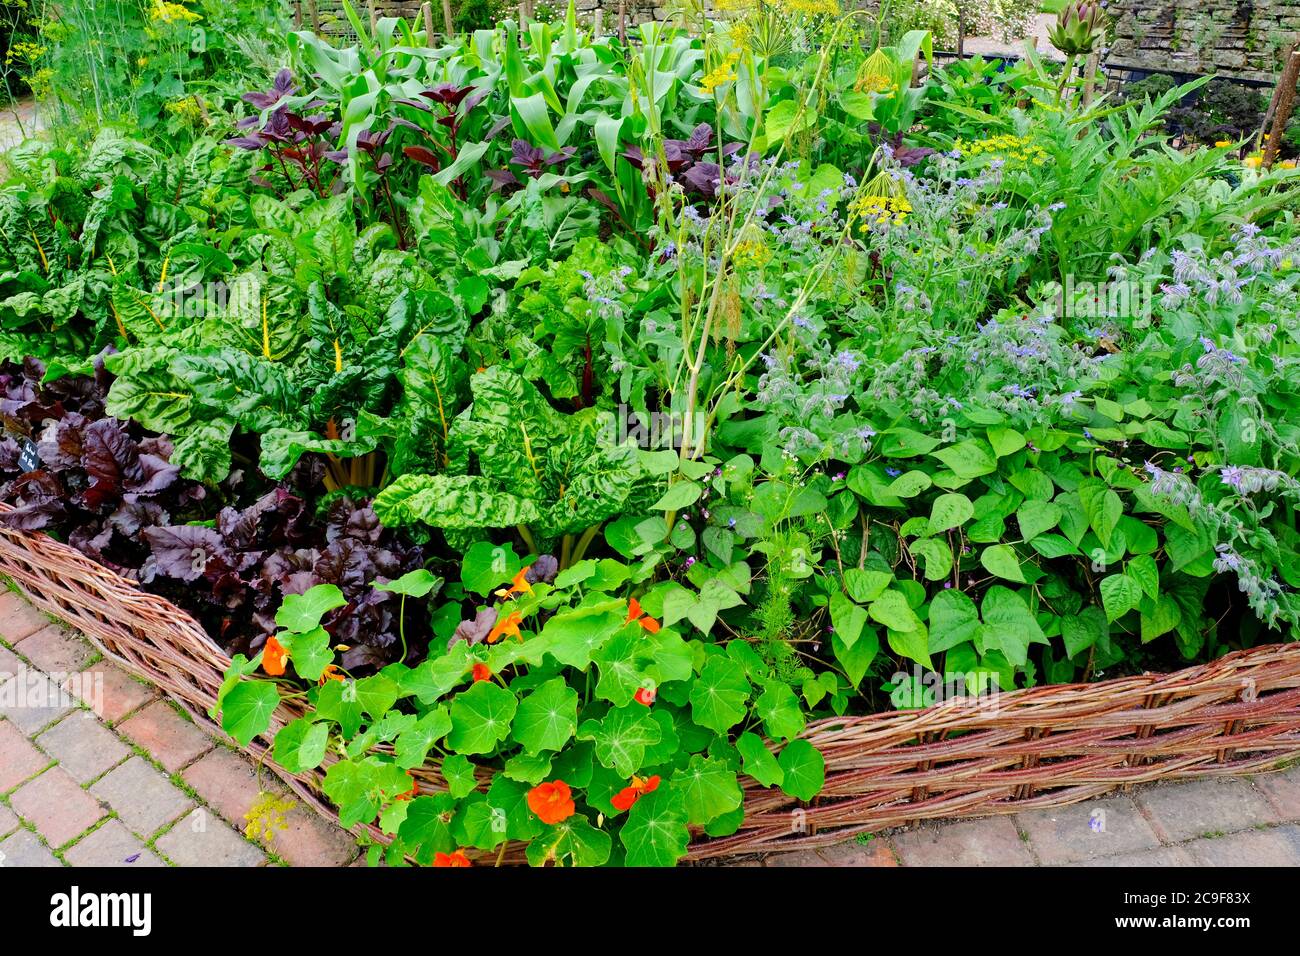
{"x":95,"y":774}
{"x":170,"y":738}
{"x":58,"y":808}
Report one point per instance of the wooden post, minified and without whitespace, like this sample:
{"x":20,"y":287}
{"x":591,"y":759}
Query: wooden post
{"x":446,"y":18}
{"x":1272,"y":102}
{"x":374,"y":17}
{"x":597,"y":16}
{"x":1285,"y":104}
{"x":426,"y":14}
{"x":297,"y":15}
{"x":523,"y":17}
{"x":1090,"y":68}
{"x":622,"y":21}
{"x":315,"y":16}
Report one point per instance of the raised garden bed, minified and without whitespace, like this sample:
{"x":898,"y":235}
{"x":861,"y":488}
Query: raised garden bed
{"x":1020,"y":750}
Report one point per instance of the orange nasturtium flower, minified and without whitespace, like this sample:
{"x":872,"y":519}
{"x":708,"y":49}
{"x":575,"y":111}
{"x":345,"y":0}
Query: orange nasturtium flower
{"x":331,"y":672}
{"x":624,"y":799}
{"x":508,"y":625}
{"x":274,"y":657}
{"x":634,"y":613}
{"x":481,"y":672}
{"x":451,"y":859}
{"x":518,"y":585}
{"x":552,"y":802}
{"x":645,"y":695}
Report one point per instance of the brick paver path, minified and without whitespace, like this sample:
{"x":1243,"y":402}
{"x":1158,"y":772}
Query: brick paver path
{"x":1231,"y":821}
{"x":97,"y":770}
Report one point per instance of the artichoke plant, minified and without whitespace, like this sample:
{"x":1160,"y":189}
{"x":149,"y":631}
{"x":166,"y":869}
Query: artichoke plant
{"x":1078,"y":28}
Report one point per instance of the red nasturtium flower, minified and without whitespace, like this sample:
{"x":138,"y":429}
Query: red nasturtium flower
{"x":624,"y":799}
{"x":645,"y":695}
{"x":634,"y":613}
{"x":451,"y":859}
{"x":552,"y":802}
{"x":274,"y":656}
{"x":331,"y":672}
{"x":481,"y":672}
{"x":508,"y":625}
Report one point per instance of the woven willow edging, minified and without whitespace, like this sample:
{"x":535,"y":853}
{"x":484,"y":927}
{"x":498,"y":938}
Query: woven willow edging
{"x":1022,"y":750}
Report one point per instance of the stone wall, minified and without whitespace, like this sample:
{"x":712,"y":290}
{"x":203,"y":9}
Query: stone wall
{"x":1243,"y":39}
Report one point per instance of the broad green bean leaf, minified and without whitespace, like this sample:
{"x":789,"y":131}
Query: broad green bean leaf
{"x":1081,"y":631}
{"x":969,"y":459}
{"x":1102,"y":506}
{"x":953,"y":620}
{"x":1008,"y":624}
{"x":950,"y":511}
{"x":1119,"y":595}
{"x":913,"y":644}
{"x":856,"y":660}
{"x":679,"y":495}
{"x":891,"y":609}
{"x":1001,"y":560}
{"x":1036,"y":517}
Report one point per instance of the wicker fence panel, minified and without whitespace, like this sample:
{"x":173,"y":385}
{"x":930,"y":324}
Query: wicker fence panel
{"x":1021,"y":750}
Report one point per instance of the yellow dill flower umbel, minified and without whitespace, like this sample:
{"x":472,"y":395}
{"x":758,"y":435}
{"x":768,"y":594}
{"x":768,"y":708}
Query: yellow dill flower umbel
{"x":1015,"y":151}
{"x":166,"y":12}
{"x":725,"y":72}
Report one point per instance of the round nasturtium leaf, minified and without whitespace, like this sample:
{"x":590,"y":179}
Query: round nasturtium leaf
{"x":779,"y":708}
{"x":804,"y":769}
{"x":759,"y":762}
{"x":459,"y":774}
{"x":574,"y":840}
{"x":301,"y":745}
{"x":547,"y":718}
{"x":622,"y":737}
{"x":655,"y":833}
{"x":708,"y":788}
{"x":480,"y":718}
{"x":301,"y":612}
{"x":246,"y":710}
{"x":719,"y":694}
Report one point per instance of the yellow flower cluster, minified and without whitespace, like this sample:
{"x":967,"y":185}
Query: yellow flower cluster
{"x":186,"y":108}
{"x":751,"y":252}
{"x":879,"y":210}
{"x":724,"y":73}
{"x":167,"y":12}
{"x":875,"y":83}
{"x":810,"y":8}
{"x":1016,"y":150}
{"x":25,"y":50}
